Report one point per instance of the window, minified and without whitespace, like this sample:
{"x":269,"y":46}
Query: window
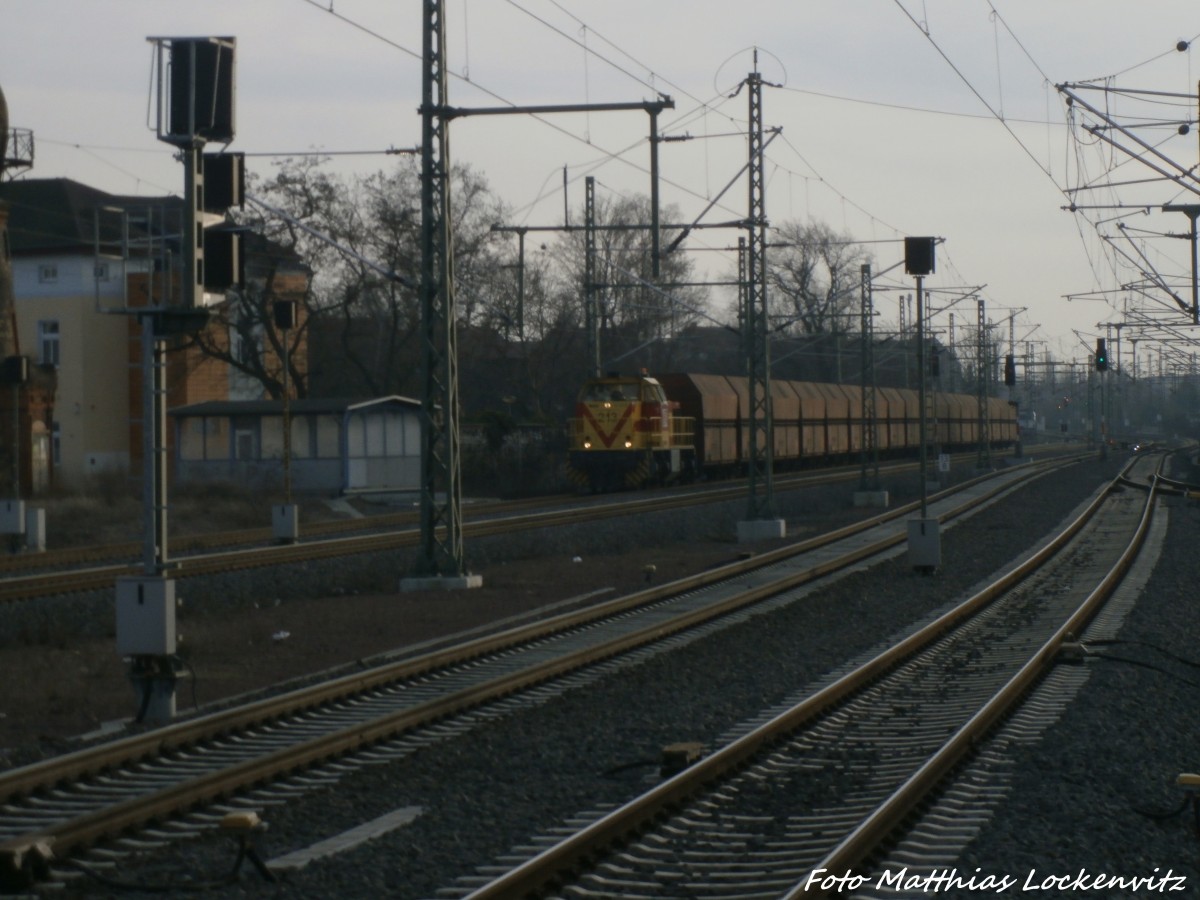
{"x":48,"y":347}
{"x":242,"y":348}
{"x":48,"y":273}
{"x":101,"y":271}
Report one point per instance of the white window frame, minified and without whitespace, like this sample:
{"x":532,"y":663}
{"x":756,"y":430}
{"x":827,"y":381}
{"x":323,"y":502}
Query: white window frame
{"x":49,"y":339}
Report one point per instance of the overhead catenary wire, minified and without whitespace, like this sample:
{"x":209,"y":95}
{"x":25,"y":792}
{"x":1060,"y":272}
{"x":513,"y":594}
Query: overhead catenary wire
{"x":703,"y":109}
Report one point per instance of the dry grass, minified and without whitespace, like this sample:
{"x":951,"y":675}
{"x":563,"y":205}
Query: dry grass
{"x":109,"y":511}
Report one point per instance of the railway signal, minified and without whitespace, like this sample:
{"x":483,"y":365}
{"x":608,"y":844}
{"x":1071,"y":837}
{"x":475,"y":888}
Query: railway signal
{"x":219,"y":264}
{"x":1101,"y":355}
{"x":194,"y":104}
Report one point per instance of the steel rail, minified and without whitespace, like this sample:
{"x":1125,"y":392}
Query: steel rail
{"x":104,"y":577}
{"x":543,"y":872}
{"x":119,"y":553}
{"x":193,"y":543}
{"x":890,"y":815}
{"x":90,"y":828}
{"x":36,"y":776}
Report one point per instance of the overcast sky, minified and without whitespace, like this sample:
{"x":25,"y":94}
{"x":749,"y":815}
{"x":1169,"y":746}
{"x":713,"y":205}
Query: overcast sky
{"x":897,"y":117}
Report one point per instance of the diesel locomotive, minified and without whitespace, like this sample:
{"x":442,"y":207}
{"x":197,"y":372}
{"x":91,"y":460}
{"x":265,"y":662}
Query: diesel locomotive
{"x":633,"y":430}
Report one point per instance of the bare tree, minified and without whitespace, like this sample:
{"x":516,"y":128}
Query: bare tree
{"x":243,"y":333}
{"x":635,"y":307}
{"x":813,"y":279}
{"x":361,"y":237}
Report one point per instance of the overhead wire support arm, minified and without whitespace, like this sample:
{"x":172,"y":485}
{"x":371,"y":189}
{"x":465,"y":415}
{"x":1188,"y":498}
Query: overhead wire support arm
{"x":774,"y":132}
{"x":455,"y":112}
{"x":653,"y":107}
{"x":1147,"y":270}
{"x":1184,"y":177}
{"x":1191,"y":210}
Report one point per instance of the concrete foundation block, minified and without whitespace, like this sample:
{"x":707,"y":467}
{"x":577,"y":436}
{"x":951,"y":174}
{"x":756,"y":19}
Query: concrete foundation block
{"x":441,"y":583}
{"x":761,"y":530}
{"x":12,"y":516}
{"x":871,"y":499}
{"x":35,"y":530}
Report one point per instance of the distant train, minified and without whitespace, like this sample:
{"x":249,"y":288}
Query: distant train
{"x":633,"y":430}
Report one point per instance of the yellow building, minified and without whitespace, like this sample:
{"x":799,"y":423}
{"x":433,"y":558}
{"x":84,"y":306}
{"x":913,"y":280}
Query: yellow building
{"x":82,"y":259}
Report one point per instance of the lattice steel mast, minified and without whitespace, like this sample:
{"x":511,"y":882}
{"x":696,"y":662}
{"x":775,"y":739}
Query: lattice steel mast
{"x":869,"y":476}
{"x":758,"y":357}
{"x":441,"y":552}
{"x":981,"y":390}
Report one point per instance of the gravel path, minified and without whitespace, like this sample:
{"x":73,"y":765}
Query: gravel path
{"x":485,"y":792}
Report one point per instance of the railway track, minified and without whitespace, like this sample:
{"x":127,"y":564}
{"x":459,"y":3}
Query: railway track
{"x":62,"y":572}
{"x":805,"y":801}
{"x":95,"y":795}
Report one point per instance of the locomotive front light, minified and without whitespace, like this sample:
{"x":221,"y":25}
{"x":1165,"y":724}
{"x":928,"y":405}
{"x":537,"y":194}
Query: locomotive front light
{"x":587,"y":445}
{"x":607,"y":404}
{"x":629,"y":445}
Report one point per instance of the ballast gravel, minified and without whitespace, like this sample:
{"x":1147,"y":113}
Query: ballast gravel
{"x":1077,"y":800}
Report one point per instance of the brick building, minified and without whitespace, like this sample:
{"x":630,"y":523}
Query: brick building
{"x":83,"y":262}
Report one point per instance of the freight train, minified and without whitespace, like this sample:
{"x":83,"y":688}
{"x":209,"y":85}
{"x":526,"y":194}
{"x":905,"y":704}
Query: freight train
{"x":633,"y":430}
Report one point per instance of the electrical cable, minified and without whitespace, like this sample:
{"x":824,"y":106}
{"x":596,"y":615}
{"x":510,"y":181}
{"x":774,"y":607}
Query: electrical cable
{"x":183,"y":663}
{"x":623,"y":767}
{"x":906,"y":107}
{"x":1142,"y":664}
{"x":162,"y":887}
{"x":979,"y":96}
{"x":1147,"y":62}
{"x":616,"y":156}
{"x":1195,"y":664}
{"x":1162,"y":815}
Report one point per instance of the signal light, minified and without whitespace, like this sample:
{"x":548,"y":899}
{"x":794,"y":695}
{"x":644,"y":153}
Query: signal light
{"x":919,"y":255}
{"x":201,"y":89}
{"x":1010,"y":370}
{"x":284,"y":312}
{"x":221,"y":186}
{"x":224,"y":181}
{"x":14,"y":370}
{"x":1101,"y":355}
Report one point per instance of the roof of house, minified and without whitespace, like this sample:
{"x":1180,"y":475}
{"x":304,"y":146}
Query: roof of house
{"x":57,"y":215}
{"x":305,"y":406}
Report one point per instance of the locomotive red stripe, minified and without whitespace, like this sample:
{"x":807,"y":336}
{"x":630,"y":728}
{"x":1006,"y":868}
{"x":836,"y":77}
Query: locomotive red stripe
{"x":608,"y":439}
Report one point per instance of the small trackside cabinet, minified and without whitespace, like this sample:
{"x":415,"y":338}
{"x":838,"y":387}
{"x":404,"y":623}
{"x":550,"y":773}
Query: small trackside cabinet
{"x":145,"y":616}
{"x":285,"y":523}
{"x":924,"y":544}
{"x":12,"y":516}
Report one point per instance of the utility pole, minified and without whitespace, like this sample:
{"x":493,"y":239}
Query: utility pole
{"x":440,"y":560}
{"x":924,"y":537}
{"x":760,"y":514}
{"x":868,"y":481}
{"x":195,"y":105}
{"x":591,"y":302}
{"x":984,"y":461}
